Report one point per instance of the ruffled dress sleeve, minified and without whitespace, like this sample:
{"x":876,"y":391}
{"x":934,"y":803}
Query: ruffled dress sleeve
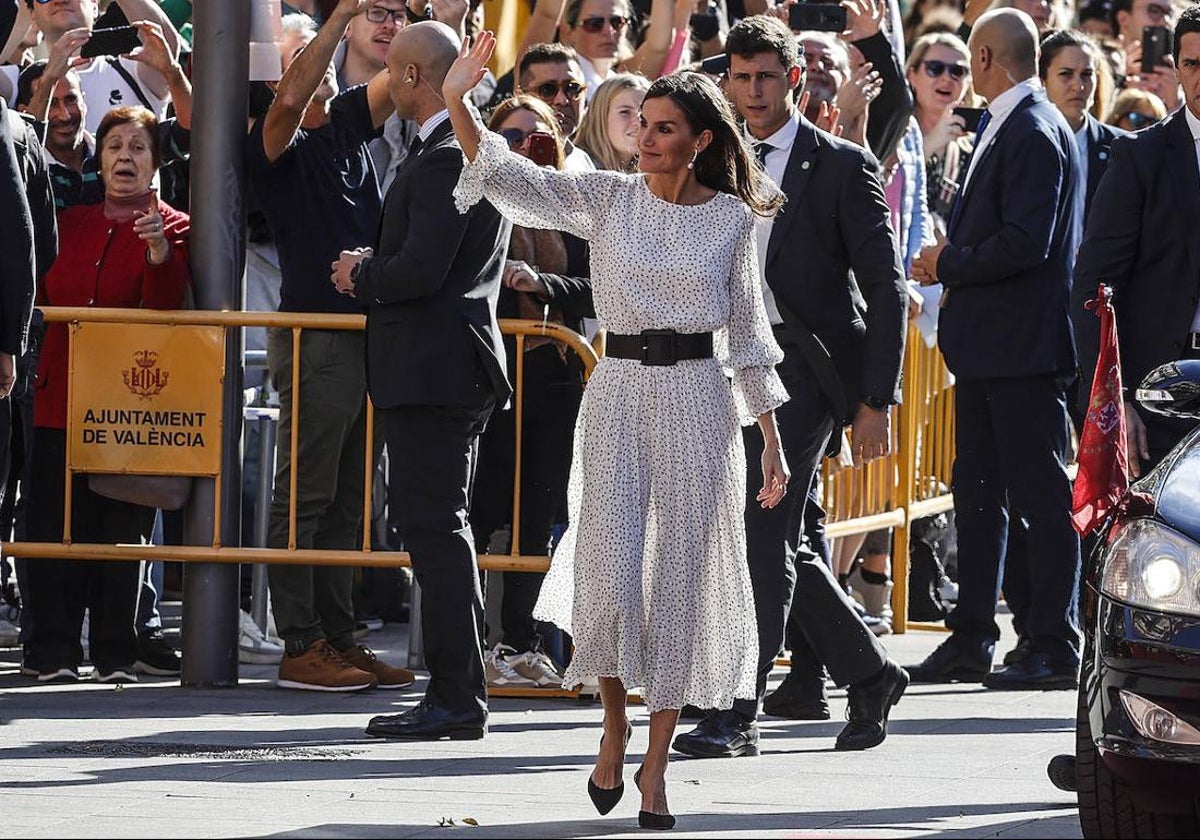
{"x":535,"y":196}
{"x":746,"y":347}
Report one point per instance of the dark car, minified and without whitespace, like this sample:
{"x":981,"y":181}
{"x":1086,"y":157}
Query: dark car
{"x":1138,"y":725}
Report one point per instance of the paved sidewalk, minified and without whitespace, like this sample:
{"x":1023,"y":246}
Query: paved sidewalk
{"x":158,"y":760}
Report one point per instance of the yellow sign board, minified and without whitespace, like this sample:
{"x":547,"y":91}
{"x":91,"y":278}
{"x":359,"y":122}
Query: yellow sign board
{"x":145,"y":399}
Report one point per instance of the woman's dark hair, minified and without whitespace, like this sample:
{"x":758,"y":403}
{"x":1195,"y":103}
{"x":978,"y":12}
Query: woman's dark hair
{"x":1058,"y":40}
{"x":724,"y":165}
{"x":135,"y":115}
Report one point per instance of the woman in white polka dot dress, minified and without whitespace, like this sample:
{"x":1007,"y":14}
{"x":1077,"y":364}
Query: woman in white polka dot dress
{"x":651,"y":578}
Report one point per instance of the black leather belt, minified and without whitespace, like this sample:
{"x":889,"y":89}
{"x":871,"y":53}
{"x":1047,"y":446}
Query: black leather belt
{"x":660,"y":347}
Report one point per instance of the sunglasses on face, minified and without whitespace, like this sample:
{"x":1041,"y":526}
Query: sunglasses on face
{"x":378,"y":14}
{"x":933,"y":69}
{"x":515,"y":137}
{"x":1138,"y":120}
{"x":596,"y":24}
{"x":549,"y":90}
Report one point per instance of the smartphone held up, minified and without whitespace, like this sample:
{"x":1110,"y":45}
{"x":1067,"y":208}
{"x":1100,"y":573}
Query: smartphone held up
{"x":117,"y":40}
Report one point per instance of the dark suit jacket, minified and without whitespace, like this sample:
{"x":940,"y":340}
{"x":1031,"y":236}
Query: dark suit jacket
{"x":832,"y":262}
{"x":431,"y":289}
{"x":1142,"y":239}
{"x":17,"y":260}
{"x":1007,"y":269}
{"x":1100,"y":140}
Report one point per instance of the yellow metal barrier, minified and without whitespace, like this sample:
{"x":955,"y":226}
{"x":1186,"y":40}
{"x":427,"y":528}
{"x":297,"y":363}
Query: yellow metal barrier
{"x":297,"y":322}
{"x":910,"y":483}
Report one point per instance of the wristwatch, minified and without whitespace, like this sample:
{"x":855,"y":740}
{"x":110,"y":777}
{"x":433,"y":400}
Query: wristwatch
{"x":354,"y":270}
{"x":876,"y":403}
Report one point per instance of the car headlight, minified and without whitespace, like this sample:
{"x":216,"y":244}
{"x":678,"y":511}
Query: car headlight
{"x":1151,"y":566}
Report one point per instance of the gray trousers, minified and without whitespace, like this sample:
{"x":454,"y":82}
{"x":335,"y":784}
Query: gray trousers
{"x":314,"y":602}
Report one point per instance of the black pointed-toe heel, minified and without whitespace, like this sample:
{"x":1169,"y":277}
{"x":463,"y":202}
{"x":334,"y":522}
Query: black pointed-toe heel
{"x":658,"y":822}
{"x":649,"y":819}
{"x":605,"y":799}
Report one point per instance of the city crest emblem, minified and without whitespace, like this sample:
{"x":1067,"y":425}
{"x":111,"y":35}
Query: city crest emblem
{"x":144,"y":378}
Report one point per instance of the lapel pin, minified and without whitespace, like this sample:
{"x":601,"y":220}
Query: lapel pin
{"x":1104,"y":156}
{"x":805,"y":165}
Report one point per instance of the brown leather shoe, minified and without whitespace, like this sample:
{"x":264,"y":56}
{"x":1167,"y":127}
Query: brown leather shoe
{"x":322,"y":668}
{"x":364,"y":659}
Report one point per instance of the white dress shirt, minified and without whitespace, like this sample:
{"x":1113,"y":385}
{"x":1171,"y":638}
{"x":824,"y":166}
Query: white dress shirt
{"x":430,"y":125}
{"x":781,"y":143}
{"x":1081,"y":143}
{"x":1001,"y":107}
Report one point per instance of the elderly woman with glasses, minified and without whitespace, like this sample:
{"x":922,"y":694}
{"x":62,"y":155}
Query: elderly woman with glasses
{"x":939,"y":72}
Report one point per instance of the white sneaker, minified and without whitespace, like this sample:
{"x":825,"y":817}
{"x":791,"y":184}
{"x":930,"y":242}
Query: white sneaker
{"x":497,"y":666}
{"x":10,"y":634}
{"x":255,"y":648}
{"x":536,"y":667}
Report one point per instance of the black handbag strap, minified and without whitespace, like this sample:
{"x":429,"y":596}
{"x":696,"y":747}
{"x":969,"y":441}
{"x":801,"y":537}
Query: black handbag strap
{"x":820,"y":362}
{"x":115,"y":63}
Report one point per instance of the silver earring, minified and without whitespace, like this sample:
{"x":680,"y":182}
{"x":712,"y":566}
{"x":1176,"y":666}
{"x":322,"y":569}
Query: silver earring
{"x":692,"y":162}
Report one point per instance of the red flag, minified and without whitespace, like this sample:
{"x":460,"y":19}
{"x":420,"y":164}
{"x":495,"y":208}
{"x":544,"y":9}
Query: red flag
{"x":1103,"y":477}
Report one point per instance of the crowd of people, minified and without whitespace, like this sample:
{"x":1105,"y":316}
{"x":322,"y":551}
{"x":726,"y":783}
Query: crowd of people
{"x":752,"y":210}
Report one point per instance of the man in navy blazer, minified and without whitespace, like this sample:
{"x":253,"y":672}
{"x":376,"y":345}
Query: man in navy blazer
{"x":1142,"y":240}
{"x":1005,"y":331}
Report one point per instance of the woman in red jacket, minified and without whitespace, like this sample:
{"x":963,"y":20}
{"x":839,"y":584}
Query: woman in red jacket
{"x":131,"y":250}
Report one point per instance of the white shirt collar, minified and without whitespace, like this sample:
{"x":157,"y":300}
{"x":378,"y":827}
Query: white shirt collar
{"x":783,"y":138}
{"x":1004,"y":104}
{"x":430,"y":125}
{"x":1193,"y":123}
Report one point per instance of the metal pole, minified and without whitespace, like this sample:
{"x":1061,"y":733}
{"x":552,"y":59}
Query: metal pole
{"x":221,"y":81}
{"x":267,"y":418}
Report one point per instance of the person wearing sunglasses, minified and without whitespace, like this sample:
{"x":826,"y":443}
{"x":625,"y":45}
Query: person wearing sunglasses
{"x":551,"y":73}
{"x":1134,"y":110}
{"x":596,"y":29}
{"x":939,"y":72}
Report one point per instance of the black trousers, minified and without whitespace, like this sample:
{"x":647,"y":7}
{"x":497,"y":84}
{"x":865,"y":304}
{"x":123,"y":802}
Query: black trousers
{"x":1011,"y":462}
{"x":551,"y":404}
{"x":784,"y":568}
{"x":62,"y":589}
{"x":435,"y":450}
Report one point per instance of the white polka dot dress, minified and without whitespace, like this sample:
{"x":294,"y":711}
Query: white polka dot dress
{"x":651,"y":577}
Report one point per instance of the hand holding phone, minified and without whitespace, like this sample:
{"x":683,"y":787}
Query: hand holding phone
{"x":542,"y":149}
{"x":817,"y":17}
{"x":970,"y":117}
{"x":1156,"y":46}
{"x":118,"y":40}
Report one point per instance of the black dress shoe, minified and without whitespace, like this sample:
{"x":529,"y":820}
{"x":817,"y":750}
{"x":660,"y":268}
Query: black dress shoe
{"x":724,"y":734}
{"x":1036,"y":672}
{"x":1061,"y":771}
{"x":798,"y":698}
{"x":953,"y":662}
{"x":1024,"y":648}
{"x":430,"y":722}
{"x":868,"y":705}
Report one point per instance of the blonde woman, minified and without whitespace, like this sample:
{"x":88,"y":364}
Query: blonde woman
{"x":939,"y":73}
{"x":609,"y":129}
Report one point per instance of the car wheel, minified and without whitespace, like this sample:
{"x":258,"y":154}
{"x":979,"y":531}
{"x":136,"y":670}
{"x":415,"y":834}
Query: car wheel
{"x":1106,"y":806}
